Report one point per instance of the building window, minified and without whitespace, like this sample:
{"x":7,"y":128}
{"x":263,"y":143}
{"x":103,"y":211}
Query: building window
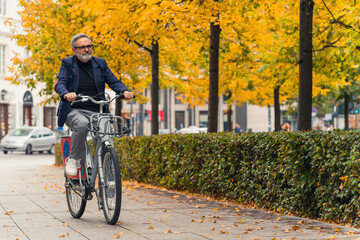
{"x":27,"y":109}
{"x":179,"y":119}
{"x":2,"y":59}
{"x":49,"y":117}
{"x":178,"y":98}
{"x":225,"y":117}
{"x":2,"y":7}
{"x":4,"y":121}
{"x":203,"y":119}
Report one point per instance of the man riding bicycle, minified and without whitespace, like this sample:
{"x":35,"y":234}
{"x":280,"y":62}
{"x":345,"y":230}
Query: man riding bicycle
{"x":86,"y":75}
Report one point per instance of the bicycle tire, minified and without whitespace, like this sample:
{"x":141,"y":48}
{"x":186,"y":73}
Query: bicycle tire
{"x":76,"y":200}
{"x":111,"y":192}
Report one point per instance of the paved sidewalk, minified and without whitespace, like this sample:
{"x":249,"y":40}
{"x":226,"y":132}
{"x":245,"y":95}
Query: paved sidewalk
{"x":33,"y":206}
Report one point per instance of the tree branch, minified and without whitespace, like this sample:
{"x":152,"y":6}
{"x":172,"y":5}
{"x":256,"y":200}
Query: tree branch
{"x":329,"y":45}
{"x":142,"y":46}
{"x":342,"y":24}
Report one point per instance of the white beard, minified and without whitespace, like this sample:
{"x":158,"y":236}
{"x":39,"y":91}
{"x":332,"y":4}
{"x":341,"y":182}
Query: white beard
{"x":85,"y":57}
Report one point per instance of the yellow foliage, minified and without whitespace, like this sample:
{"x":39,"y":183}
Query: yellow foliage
{"x":258,"y":45}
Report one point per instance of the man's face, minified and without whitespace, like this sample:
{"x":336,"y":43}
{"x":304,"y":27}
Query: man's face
{"x":83,"y":49}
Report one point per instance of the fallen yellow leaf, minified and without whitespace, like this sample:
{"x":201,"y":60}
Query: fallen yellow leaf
{"x":117,"y":235}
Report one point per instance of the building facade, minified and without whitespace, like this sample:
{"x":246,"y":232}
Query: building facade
{"x":19,"y":106}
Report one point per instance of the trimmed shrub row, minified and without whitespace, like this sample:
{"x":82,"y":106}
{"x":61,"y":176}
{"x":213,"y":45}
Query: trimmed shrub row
{"x":311,"y":174}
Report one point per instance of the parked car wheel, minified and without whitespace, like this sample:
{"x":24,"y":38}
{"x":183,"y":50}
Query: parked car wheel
{"x":28,"y":149}
{"x":52,"y":149}
{"x":5,"y":152}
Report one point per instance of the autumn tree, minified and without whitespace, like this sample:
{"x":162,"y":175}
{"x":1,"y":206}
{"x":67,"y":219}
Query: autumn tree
{"x":44,"y":31}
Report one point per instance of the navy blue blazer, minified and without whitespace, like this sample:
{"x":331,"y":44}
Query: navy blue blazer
{"x":68,"y":81}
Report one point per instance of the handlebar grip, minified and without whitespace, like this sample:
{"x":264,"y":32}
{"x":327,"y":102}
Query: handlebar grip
{"x":121,"y":96}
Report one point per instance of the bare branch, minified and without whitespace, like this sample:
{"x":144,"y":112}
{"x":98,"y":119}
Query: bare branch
{"x":329,"y":45}
{"x":342,"y":24}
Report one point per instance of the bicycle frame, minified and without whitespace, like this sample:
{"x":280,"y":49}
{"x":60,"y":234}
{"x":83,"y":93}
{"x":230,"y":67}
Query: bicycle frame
{"x":103,"y":128}
{"x":107,"y":125}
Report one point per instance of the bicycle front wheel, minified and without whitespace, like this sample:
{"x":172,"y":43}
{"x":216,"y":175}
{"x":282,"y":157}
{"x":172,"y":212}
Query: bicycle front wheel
{"x":76,"y":198}
{"x":110,"y":192}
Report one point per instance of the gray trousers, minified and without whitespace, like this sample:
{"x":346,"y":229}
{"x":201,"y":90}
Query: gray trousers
{"x":78,"y":120}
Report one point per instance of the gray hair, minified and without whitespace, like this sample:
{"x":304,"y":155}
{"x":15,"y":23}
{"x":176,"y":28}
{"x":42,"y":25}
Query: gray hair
{"x":77,"y":37}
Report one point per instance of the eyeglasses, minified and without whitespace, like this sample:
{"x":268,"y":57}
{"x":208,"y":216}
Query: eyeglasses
{"x":82,"y":48}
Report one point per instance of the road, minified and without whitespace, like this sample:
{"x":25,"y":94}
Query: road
{"x":33,"y":206}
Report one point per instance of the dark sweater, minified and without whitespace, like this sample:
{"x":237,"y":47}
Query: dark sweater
{"x":86,"y":86}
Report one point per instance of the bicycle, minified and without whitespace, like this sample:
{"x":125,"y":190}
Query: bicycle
{"x":104,"y":167}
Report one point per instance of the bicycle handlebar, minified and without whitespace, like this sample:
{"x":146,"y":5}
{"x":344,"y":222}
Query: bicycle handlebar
{"x":83,"y":98}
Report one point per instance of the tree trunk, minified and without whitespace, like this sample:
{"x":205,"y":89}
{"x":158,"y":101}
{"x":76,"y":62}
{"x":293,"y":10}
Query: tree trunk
{"x":305,"y":65}
{"x":155,"y":89}
{"x":214,"y":78}
{"x":346,"y":110}
{"x":277,"y":112}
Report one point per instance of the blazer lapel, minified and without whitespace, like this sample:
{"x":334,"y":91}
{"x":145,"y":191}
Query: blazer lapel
{"x":75,"y":69}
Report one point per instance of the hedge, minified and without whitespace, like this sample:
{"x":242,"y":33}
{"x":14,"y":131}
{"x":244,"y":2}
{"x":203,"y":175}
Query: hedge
{"x":311,"y":174}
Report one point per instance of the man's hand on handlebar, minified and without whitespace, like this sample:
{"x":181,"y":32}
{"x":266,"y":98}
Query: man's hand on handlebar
{"x":128,"y":95}
{"x":71,"y":97}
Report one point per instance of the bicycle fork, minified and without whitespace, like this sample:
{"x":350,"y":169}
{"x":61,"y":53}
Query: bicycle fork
{"x":98,"y":166}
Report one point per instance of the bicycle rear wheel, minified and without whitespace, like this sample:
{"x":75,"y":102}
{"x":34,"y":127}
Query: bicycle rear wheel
{"x":76,"y":198}
{"x":110,"y":192}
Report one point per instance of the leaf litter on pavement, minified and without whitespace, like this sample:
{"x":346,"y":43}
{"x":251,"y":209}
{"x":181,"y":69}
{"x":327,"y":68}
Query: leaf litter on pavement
{"x":135,"y":191}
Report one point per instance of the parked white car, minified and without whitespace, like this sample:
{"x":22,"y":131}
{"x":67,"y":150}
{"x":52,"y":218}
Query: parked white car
{"x":192,"y":129}
{"x":28,"y":140}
